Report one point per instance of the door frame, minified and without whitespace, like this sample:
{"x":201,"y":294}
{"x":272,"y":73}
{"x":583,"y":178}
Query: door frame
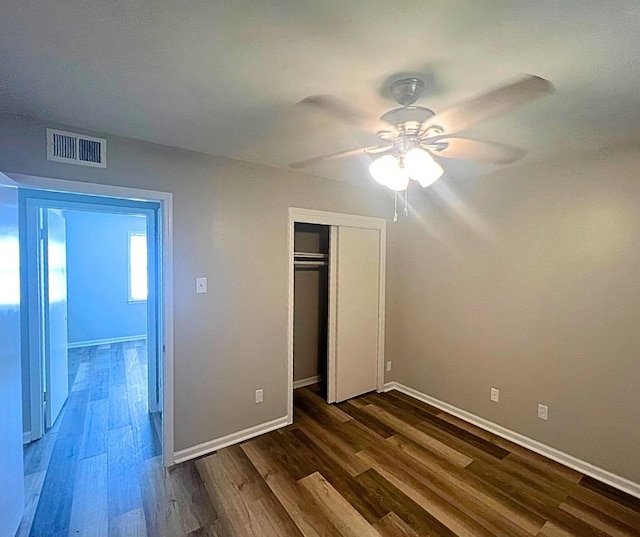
{"x":311,"y":216}
{"x":33,"y":202}
{"x":164,"y":302}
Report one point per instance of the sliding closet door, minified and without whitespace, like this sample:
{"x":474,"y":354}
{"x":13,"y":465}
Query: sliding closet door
{"x":358,"y":276}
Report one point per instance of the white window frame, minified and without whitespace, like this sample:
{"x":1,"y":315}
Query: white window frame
{"x":130,"y":298}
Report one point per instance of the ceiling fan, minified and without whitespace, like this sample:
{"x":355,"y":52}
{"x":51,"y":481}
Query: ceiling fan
{"x":413,"y":135}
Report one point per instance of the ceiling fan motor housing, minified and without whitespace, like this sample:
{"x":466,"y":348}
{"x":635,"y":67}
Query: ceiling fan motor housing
{"x":407,"y":90}
{"x":407,"y":118}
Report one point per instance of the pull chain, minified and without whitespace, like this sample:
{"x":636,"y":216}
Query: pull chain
{"x":406,"y":201}
{"x":395,"y":206}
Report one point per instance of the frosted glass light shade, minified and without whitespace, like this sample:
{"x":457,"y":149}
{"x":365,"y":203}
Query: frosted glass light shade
{"x":420,"y":166}
{"x":399,"y":181}
{"x":384,"y":168}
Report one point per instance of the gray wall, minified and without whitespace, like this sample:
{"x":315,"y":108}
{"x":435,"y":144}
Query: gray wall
{"x":98,"y":277}
{"x":230,"y":221}
{"x":310,"y":310}
{"x":529,"y":281}
{"x":309,"y":339}
{"x":526,"y":280}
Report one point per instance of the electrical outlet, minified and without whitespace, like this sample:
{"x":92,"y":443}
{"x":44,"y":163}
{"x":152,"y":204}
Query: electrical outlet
{"x":543,"y":412}
{"x":495,"y":395}
{"x":259,"y":395}
{"x":389,"y":365}
{"x":201,"y":285}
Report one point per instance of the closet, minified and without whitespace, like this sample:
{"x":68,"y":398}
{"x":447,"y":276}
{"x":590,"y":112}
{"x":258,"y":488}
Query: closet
{"x":311,"y":302}
{"x":338,"y":282}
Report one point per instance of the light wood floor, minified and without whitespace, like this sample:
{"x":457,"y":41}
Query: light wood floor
{"x":378,"y":465}
{"x":84,"y":476}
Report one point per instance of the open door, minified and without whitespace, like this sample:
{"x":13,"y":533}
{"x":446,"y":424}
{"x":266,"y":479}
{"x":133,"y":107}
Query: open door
{"x":54,"y":311}
{"x":153,"y":311}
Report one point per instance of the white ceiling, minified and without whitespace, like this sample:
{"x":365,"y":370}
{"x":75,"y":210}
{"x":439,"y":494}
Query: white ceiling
{"x":223,"y":77}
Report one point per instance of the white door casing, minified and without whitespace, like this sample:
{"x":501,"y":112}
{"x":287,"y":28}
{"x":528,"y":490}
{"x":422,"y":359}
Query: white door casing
{"x":164,"y":279}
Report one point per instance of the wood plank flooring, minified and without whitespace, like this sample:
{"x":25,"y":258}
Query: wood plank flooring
{"x":377,"y":465}
{"x":83,"y":476}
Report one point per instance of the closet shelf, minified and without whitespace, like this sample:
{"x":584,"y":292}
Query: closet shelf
{"x":309,"y":255}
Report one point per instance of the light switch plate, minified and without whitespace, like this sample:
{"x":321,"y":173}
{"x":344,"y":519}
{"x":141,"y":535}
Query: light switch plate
{"x":201,"y":285}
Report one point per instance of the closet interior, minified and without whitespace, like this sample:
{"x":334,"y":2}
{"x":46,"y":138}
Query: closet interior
{"x":311,"y":305}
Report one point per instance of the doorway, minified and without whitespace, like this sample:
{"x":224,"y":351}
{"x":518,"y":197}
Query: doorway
{"x":117,"y":195}
{"x":110,"y":247}
{"x":98,"y":411}
{"x":337,"y":262}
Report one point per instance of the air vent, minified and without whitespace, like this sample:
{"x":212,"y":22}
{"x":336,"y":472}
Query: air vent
{"x":75,"y":148}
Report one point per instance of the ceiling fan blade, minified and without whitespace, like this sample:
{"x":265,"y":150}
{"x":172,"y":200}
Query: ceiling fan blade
{"x":500,"y":100}
{"x":343,"y":111}
{"x":469,"y":149}
{"x":333,"y":156}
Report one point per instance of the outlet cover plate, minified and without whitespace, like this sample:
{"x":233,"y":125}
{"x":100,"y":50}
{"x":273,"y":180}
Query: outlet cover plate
{"x":495,"y":395}
{"x":201,"y":285}
{"x":543,"y":412}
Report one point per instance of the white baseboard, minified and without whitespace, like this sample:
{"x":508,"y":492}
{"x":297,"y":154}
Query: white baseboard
{"x":228,"y":440}
{"x":306,"y":382}
{"x":107,"y":341}
{"x":584,"y":467}
{"x":26,"y":438}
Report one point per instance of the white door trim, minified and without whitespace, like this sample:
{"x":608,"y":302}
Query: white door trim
{"x":332,"y":311}
{"x":166,"y":281}
{"x":310,"y":216}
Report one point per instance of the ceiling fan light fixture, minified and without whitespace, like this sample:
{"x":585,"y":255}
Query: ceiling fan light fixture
{"x":417,"y":164}
{"x":421,"y":167}
{"x":417,"y":133}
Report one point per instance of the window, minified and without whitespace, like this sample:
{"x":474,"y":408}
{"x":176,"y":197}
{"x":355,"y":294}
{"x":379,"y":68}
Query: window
{"x":137,"y":267}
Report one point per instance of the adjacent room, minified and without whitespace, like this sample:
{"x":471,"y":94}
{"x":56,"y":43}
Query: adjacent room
{"x":319,"y":269}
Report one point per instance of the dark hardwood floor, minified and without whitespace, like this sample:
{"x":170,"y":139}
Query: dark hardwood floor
{"x":377,"y":465}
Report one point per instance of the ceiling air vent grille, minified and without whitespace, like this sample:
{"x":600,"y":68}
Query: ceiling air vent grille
{"x":75,"y":148}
